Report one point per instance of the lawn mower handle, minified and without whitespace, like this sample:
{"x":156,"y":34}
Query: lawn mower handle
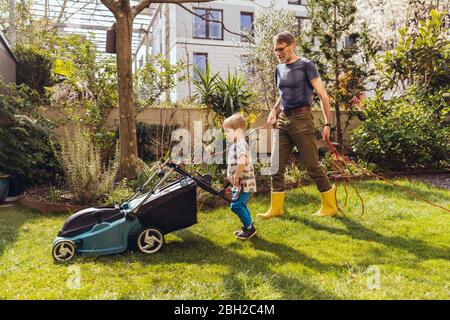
{"x":156,"y":168}
{"x":200,"y":183}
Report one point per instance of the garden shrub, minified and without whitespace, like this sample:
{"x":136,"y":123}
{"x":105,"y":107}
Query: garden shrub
{"x":34,"y":68}
{"x":87,"y":177}
{"x":421,"y":57}
{"x":407,"y":132}
{"x":156,"y":77}
{"x":27,"y":144}
{"x":411,"y":130}
{"x":88,"y":95}
{"x":120,"y":193}
{"x":153,"y":140}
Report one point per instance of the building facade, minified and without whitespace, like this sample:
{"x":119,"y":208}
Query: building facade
{"x":8,"y":61}
{"x":179,"y":34}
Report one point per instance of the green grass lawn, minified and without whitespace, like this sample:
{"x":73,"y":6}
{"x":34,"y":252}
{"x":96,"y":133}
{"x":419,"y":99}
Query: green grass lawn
{"x":400,"y":249}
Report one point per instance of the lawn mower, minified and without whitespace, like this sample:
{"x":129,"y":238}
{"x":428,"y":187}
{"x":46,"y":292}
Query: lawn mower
{"x":142,"y":220}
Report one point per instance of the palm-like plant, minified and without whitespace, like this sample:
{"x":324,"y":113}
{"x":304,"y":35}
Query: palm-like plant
{"x":235,"y":95}
{"x":223,"y":96}
{"x":206,"y":86}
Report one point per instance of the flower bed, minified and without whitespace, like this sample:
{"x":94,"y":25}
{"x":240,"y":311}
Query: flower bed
{"x":45,"y":199}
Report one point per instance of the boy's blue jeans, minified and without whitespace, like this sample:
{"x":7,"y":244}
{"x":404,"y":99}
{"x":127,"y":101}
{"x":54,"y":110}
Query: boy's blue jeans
{"x":240,"y":208}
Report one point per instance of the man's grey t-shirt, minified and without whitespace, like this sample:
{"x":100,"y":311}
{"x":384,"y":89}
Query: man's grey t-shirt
{"x":294,"y":83}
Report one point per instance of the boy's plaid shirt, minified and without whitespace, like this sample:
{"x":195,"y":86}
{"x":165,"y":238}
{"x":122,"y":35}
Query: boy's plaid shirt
{"x":248,"y":176}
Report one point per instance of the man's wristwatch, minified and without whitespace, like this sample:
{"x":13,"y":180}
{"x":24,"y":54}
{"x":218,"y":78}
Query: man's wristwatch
{"x":327,"y":125}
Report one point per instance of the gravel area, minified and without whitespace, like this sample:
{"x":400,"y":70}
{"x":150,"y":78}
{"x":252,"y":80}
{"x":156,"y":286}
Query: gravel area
{"x":441,"y":180}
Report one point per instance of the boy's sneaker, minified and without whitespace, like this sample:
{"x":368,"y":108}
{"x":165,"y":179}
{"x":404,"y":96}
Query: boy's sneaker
{"x":245,"y":233}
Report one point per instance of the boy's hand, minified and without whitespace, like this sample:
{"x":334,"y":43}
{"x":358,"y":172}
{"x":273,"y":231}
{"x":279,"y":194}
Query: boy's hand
{"x":231,"y":179}
{"x":235,"y":181}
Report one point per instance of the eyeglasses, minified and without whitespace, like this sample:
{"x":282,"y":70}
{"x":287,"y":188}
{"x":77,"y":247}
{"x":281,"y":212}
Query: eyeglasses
{"x":281,"y":48}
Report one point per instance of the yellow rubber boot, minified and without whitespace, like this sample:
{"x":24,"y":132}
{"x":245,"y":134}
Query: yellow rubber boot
{"x":329,"y":204}
{"x":276,"y":206}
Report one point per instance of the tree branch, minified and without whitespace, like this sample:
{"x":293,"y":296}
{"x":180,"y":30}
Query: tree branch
{"x":111,"y":5}
{"x":145,"y":3}
{"x":264,"y":7}
{"x":67,"y":17}
{"x":63,"y":11}
{"x":216,"y":21}
{"x":125,"y":5}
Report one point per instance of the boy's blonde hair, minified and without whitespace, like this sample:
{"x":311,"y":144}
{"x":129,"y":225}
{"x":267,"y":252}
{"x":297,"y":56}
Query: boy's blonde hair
{"x":236,"y":121}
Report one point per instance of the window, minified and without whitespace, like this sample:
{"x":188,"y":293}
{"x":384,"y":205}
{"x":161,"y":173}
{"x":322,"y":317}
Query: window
{"x":297,"y":2}
{"x":246,"y":23}
{"x":302,"y":24}
{"x":215,"y":28}
{"x":206,"y":29}
{"x":347,"y":42}
{"x":200,"y":60}
{"x":199,"y":24}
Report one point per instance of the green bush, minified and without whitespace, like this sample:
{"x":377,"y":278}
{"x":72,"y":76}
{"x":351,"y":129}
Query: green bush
{"x":422,"y":56}
{"x":34,"y":68}
{"x":26,"y":141}
{"x":118,"y":195}
{"x":407,"y":132}
{"x":156,"y":77}
{"x":153,"y":140}
{"x":89,"y":95}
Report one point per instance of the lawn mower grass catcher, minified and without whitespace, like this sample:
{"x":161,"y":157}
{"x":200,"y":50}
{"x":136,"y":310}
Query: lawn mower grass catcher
{"x":140,"y":222}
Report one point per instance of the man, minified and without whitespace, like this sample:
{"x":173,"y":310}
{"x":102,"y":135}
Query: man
{"x":296,"y":78}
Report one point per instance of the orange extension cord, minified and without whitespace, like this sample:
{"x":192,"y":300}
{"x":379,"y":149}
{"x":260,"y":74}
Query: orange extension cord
{"x":342,"y":161}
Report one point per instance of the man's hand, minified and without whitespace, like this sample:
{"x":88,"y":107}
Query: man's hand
{"x":272,"y":118}
{"x":326,"y":133}
{"x":324,"y":103}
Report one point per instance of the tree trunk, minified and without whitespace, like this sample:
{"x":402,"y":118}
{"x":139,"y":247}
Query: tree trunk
{"x":127,"y":122}
{"x":12,"y":24}
{"x":336,"y":83}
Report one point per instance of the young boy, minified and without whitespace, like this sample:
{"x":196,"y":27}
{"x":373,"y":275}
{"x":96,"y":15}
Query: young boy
{"x":240,"y":172}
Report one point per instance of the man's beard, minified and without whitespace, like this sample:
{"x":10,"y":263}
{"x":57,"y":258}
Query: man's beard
{"x":285,"y":59}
